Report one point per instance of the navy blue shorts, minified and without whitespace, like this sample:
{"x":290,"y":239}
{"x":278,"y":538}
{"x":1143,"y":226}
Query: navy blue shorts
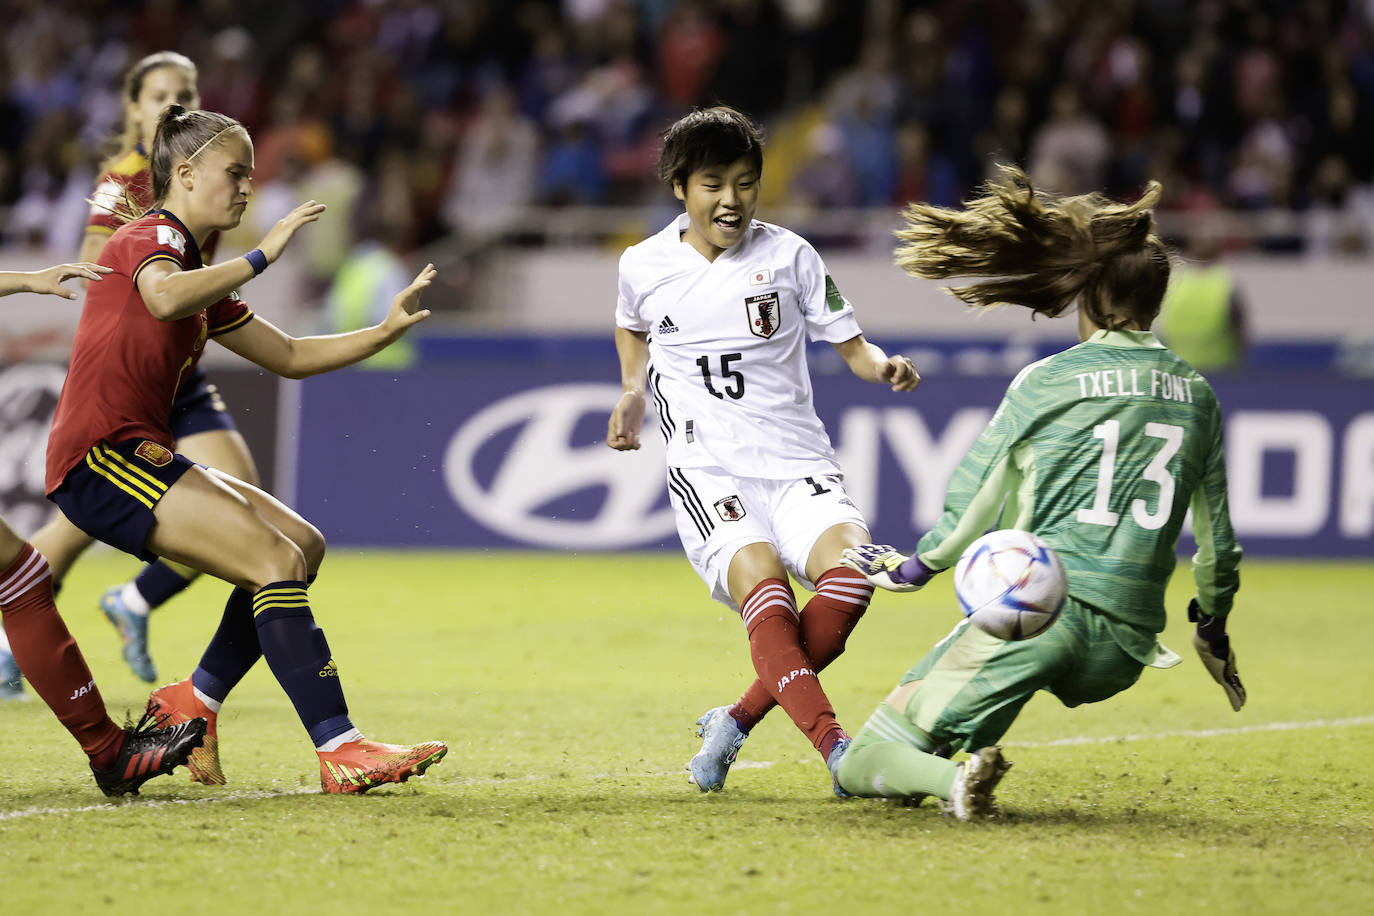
{"x":198,"y":407}
{"x":111,"y":494}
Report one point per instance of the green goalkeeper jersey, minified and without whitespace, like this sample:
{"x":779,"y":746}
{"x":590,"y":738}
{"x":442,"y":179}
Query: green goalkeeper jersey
{"x":1100,"y":450}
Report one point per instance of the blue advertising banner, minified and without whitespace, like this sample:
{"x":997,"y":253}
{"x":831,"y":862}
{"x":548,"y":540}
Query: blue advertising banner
{"x":511,"y":453}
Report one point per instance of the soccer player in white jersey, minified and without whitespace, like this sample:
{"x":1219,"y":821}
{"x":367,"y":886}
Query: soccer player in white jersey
{"x":714,"y":313}
{"x":1100,"y":450}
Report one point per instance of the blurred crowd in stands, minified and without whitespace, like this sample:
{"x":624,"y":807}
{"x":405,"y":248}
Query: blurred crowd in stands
{"x":425,"y":119}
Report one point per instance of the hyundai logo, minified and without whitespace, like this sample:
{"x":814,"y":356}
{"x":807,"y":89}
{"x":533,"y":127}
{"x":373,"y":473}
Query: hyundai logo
{"x":543,"y":463}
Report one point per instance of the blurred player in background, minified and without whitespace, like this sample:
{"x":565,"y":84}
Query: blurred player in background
{"x":715,"y":312}
{"x":122,"y":759}
{"x":112,"y":466}
{"x":201,"y":425}
{"x":1099,"y":450}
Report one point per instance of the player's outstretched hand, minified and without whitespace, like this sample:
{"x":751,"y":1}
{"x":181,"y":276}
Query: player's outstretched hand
{"x":274,"y":243}
{"x":886,"y":567}
{"x":49,"y":282}
{"x":622,"y":431}
{"x":405,"y":308}
{"x":1214,"y":648}
{"x":900,"y":372}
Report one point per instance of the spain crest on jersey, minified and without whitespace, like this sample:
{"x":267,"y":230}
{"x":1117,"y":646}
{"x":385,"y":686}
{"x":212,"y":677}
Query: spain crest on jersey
{"x":156,"y":455}
{"x":730,"y":509}
{"x":765,"y":314}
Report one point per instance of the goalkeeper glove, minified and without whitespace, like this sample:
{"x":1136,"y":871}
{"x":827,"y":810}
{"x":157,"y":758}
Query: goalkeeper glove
{"x":1214,"y":648}
{"x":886,"y":568}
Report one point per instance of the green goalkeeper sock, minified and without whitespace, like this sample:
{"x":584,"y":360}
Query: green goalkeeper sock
{"x":886,"y":761}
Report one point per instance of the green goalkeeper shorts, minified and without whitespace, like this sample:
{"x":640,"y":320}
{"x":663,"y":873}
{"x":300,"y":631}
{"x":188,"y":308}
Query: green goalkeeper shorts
{"x":972,"y":685}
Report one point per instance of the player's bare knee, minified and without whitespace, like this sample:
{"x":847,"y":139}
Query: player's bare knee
{"x":281,"y":560}
{"x":312,"y":545}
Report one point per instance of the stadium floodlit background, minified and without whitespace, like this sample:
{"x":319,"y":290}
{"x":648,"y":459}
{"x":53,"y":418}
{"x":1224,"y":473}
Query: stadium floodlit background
{"x":552,"y":633}
{"x":513,"y":144}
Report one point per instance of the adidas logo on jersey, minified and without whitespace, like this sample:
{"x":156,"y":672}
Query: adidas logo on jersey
{"x":666,"y":326}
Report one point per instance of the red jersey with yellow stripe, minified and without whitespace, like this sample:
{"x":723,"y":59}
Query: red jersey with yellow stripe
{"x":126,"y":365}
{"x":129,"y":185}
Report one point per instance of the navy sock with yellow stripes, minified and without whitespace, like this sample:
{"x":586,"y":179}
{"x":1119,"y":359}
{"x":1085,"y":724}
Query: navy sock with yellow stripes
{"x":233,"y":650}
{"x":298,"y":654}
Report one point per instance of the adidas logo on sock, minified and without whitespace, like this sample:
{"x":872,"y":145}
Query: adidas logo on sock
{"x":666,"y":326}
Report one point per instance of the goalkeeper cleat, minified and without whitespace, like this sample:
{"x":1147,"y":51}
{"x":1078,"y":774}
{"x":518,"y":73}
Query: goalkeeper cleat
{"x":971,"y":795}
{"x":881,"y":564}
{"x":11,"y":680}
{"x":361,"y":765}
{"x":721,"y":738}
{"x":178,"y":703}
{"x":133,"y":630}
{"x":833,"y":764}
{"x":150,"y":749}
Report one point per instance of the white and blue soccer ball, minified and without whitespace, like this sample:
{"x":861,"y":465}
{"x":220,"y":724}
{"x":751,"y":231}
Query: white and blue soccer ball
{"x":1010,"y":584}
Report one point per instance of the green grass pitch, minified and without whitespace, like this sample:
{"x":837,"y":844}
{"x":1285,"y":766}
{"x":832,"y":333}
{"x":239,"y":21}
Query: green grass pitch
{"x":567,"y":687}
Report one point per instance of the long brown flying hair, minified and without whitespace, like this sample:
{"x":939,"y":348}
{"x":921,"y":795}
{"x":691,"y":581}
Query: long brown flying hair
{"x":1043,"y":251}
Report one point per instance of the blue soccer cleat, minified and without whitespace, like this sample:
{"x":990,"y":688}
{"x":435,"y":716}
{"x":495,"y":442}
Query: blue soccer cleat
{"x":133,"y":629}
{"x":11,"y":681}
{"x":721,"y":738}
{"x":832,"y":763}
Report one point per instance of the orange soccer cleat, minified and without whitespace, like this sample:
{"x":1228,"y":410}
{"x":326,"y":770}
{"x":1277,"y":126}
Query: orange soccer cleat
{"x":361,"y":765}
{"x":178,"y":703}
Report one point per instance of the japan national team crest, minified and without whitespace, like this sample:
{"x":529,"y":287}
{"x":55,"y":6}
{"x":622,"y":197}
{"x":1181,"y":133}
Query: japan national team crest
{"x":730,"y":508}
{"x":154,"y":454}
{"x":765,"y":314}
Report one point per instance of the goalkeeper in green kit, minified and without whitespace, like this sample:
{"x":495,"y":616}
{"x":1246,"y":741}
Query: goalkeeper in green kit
{"x":1099,"y":450}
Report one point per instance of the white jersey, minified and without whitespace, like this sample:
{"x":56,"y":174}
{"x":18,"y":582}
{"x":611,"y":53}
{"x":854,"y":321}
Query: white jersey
{"x":727,"y":348}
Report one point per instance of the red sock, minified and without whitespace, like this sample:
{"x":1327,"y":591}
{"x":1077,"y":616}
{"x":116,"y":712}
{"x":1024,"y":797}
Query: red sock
{"x":50,"y":659}
{"x":770,"y":617}
{"x":842,"y":596}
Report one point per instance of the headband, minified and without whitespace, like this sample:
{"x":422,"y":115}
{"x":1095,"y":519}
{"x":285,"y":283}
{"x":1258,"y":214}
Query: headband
{"x":200,"y":148}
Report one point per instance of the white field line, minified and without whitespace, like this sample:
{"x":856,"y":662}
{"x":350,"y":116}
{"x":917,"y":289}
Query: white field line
{"x":1201,"y":733}
{"x":261,"y":795}
{"x":142,"y":804}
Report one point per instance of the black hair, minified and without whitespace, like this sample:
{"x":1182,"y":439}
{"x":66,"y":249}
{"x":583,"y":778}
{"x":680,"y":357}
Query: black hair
{"x":706,"y":137}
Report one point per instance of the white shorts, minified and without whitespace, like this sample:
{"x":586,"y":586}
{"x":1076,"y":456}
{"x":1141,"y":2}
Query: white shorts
{"x":718,"y":514}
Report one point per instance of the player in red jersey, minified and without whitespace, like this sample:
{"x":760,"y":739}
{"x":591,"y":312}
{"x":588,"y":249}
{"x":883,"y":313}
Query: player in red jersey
{"x":113,"y":469}
{"x":121,"y":759}
{"x":201,"y":424}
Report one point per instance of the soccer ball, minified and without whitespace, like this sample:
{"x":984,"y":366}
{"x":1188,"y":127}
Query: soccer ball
{"x":1010,"y":584}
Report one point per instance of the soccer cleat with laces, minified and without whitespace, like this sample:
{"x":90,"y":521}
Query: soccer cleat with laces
{"x":971,"y":795}
{"x":721,"y":739}
{"x":178,"y":703}
{"x":11,"y":680}
{"x":361,"y":765}
{"x":150,"y":749}
{"x":133,"y":629}
{"x":833,"y":764}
